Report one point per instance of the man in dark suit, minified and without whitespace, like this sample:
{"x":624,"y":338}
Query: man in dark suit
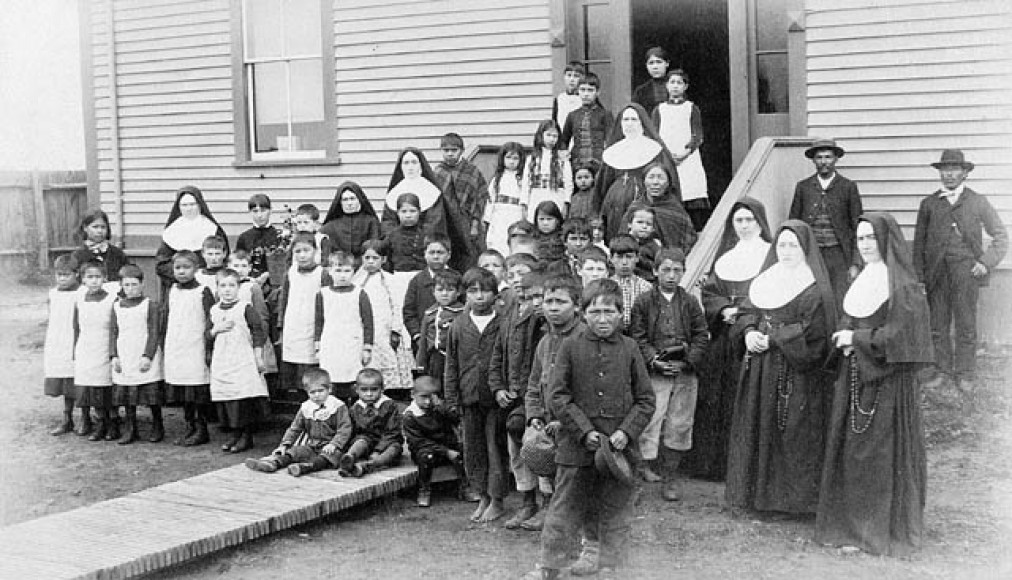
{"x":951,"y":261}
{"x":831,"y":205}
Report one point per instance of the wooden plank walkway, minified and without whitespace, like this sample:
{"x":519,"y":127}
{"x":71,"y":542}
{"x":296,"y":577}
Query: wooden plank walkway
{"x":176,"y":522}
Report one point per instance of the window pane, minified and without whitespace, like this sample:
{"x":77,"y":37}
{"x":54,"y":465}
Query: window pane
{"x":596,"y":27}
{"x":302,"y":27}
{"x":270,"y":105}
{"x":771,"y":25}
{"x":308,"y":125}
{"x":262,"y":28}
{"x":772,"y":80}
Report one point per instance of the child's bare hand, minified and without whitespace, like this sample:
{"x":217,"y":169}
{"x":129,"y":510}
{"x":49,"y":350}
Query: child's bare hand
{"x":116,"y":366}
{"x":329,"y":449}
{"x":552,"y":428}
{"x":619,"y":440}
{"x":223,"y":326}
{"x":452,"y":455}
{"x":366,"y":357}
{"x":145,"y":364}
{"x":503,"y":398}
{"x":537,"y":424}
{"x":592,"y":441}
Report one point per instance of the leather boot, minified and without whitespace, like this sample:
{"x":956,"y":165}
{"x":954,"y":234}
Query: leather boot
{"x":672,"y":481}
{"x":129,"y":427}
{"x":67,"y":426}
{"x":100,"y":429}
{"x":245,"y":442}
{"x":200,"y":435}
{"x":191,"y":430}
{"x":268,"y":464}
{"x":86,"y":425}
{"x":157,"y":427}
{"x":112,"y":432}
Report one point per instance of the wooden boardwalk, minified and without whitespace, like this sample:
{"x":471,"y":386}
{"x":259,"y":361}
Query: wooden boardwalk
{"x":173,"y":523}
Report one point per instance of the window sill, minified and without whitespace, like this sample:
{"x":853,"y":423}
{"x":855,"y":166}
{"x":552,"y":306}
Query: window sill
{"x":288,"y":162}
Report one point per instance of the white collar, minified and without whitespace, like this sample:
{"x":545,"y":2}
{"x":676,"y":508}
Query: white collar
{"x":189,"y":234}
{"x":376,"y":405}
{"x":953,"y":194}
{"x":415,"y":410}
{"x":428,"y":194}
{"x":779,"y":284}
{"x":631,"y":153}
{"x":314,"y":412}
{"x":868,"y":291}
{"x":827,"y":181}
{"x":743,"y":261}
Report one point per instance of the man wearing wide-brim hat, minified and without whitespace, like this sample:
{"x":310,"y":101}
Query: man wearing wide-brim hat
{"x":831,"y":204}
{"x":951,"y":260}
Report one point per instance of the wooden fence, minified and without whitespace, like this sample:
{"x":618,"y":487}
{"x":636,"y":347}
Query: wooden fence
{"x":39,"y":215}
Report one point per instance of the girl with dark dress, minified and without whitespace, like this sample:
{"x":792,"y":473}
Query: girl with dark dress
{"x":873,"y":482}
{"x":549,"y":246}
{"x":95,"y":234}
{"x":350,"y":221}
{"x":742,"y":250}
{"x":190,"y":223}
{"x":655,"y":90}
{"x":632,"y":146}
{"x":777,"y":441}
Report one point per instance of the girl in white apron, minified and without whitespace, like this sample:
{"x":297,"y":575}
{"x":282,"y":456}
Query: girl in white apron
{"x":92,"y":328}
{"x":680,"y":125}
{"x":58,"y":352}
{"x":297,"y":311}
{"x":346,"y":333}
{"x":184,"y":347}
{"x":504,"y":196}
{"x":136,"y":357}
{"x":391,"y":353}
{"x":237,"y":361}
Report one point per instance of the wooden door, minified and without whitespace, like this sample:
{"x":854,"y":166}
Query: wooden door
{"x":598,"y":35}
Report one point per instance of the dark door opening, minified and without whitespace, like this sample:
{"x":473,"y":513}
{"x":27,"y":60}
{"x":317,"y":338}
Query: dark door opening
{"x":695,"y":34}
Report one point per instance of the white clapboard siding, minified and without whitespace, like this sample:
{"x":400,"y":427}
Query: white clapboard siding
{"x":405,"y":72}
{"x":898,"y":81}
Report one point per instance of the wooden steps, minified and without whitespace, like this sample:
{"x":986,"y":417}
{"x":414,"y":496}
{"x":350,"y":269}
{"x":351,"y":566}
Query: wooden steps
{"x":172,"y":523}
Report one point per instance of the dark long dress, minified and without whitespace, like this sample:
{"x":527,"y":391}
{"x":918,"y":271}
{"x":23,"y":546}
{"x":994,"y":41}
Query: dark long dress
{"x":874,"y":479}
{"x":777,"y":436}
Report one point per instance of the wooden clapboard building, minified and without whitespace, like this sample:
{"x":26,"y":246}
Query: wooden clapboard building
{"x":292,"y":97}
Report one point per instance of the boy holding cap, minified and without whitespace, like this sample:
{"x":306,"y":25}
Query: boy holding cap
{"x":459,"y":177}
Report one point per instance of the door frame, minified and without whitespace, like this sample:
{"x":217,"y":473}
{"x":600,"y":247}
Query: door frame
{"x":619,"y":94}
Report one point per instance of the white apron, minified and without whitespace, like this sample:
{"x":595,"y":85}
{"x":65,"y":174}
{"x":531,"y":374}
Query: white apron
{"x":342,"y":336}
{"x":387,"y":318}
{"x":91,"y":352}
{"x":234,"y":373}
{"x":298,"y":335}
{"x":133,"y":336}
{"x":184,"y":338}
{"x":501,"y":215}
{"x":58,"y":353}
{"x":676,"y":131}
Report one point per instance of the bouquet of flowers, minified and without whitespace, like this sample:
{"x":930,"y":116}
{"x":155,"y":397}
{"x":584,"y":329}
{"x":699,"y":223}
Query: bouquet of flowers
{"x":276,"y":255}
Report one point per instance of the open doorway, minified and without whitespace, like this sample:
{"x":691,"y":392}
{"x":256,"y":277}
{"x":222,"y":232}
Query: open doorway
{"x":695,"y":34}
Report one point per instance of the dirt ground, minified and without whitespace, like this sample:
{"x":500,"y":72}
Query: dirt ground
{"x":968,"y":516}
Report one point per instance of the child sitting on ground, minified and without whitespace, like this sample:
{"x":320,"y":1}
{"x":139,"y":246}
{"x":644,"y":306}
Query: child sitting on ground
{"x":324,"y":421}
{"x":58,"y":352}
{"x":431,"y":434}
{"x":213,"y":252}
{"x":377,"y":438}
{"x":436,"y":324}
{"x":672,"y":333}
{"x":625,"y":253}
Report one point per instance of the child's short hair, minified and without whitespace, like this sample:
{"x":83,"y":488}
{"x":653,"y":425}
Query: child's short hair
{"x":566,"y":283}
{"x":424,"y":384}
{"x":308,"y":209}
{"x":592,"y":253}
{"x":659,"y":53}
{"x":239,"y":256}
{"x":447,"y":278}
{"x":437,"y":238}
{"x":574,"y":66}
{"x":522,"y":259}
{"x":370,"y":375}
{"x":213,"y":243}
{"x":65,"y":263}
{"x":92,"y":265}
{"x":493,"y":252}
{"x":259,"y":200}
{"x":590,"y":165}
{"x":558,"y":268}
{"x":92,"y":217}
{"x":131,"y":271}
{"x":186,"y":255}
{"x":635,"y":209}
{"x":315,"y":376}
{"x":451,"y":140}
{"x":591,"y":79}
{"x":227,"y":273}
{"x":531,"y":279}
{"x":607,"y":290}
{"x":623,"y":244}
{"x":575,"y":225}
{"x":675,"y":255}
{"x":409,"y":199}
{"x":304,"y":238}
{"x":519,"y":227}
{"x":481,"y":277}
{"x":677,"y":73}
{"x":341,"y":258}
{"x":381,"y":247}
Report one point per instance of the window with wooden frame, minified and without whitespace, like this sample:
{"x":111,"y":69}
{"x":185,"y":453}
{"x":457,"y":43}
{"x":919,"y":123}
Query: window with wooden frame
{"x":283,"y":81}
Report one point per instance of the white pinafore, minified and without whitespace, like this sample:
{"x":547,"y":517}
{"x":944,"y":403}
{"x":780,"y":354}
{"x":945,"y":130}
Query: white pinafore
{"x":298,"y":335}
{"x":342,"y":336}
{"x":133,"y":336}
{"x":58,"y":353}
{"x":676,"y":131}
{"x":184,"y":338}
{"x":91,"y":352}
{"x":234,"y":373}
{"x":502,"y":211}
{"x":396,"y":364}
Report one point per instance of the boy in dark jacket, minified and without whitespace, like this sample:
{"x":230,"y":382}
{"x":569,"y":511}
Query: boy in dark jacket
{"x":600,"y":391}
{"x":377,"y":426}
{"x":468,"y":352}
{"x":429,"y":428}
{"x":670,"y":328}
{"x":436,"y":323}
{"x":418,"y":296}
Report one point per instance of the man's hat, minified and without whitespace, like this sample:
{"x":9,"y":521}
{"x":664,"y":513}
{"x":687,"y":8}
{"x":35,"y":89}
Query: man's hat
{"x":821,"y":144}
{"x":538,"y":452}
{"x":953,"y":157}
{"x":614,"y":463}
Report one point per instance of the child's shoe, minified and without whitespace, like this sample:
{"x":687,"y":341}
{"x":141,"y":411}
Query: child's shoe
{"x":84,"y":429}
{"x":264,"y":464}
{"x":129,"y":433}
{"x":523,"y":514}
{"x":648,"y":475}
{"x":346,"y":466}
{"x":586,"y":564}
{"x":535,"y":522}
{"x":200,"y":436}
{"x":300,"y":469}
{"x":112,"y":433}
{"x":99,"y":433}
{"x":191,"y":430}
{"x":66,"y":427}
{"x":245,"y":442}
{"x":157,"y":431}
{"x":424,"y":498}
{"x":226,"y":447}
